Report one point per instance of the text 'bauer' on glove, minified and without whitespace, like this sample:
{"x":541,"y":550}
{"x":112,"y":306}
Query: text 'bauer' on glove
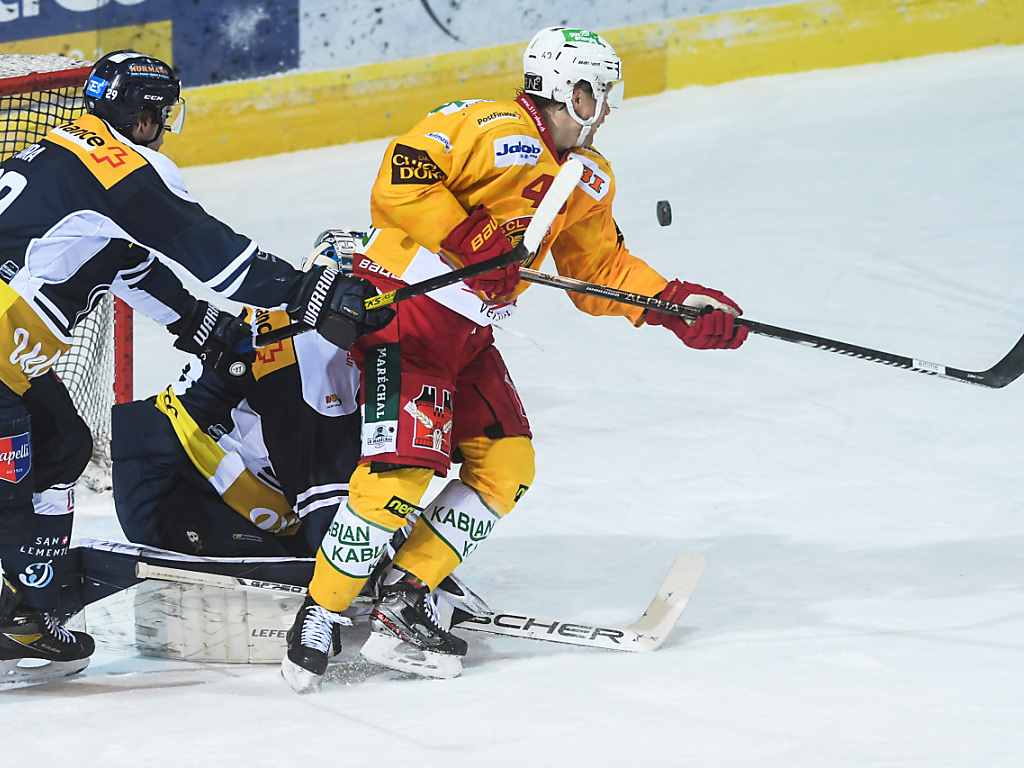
{"x":715,"y":328}
{"x":211,"y":334}
{"x":477,"y":238}
{"x":335,"y":306}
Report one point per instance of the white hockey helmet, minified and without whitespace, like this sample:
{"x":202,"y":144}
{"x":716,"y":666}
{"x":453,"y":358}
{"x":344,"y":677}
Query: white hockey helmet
{"x":334,"y":249}
{"x":557,"y":58}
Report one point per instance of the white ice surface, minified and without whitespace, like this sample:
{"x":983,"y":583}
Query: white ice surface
{"x":864,"y":602}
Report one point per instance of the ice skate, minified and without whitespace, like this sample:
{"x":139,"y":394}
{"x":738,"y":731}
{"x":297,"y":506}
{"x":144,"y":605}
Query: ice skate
{"x":407,"y":633}
{"x":36,"y":648}
{"x":312,"y":639}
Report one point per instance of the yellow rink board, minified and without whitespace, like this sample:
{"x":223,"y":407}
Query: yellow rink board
{"x":153,"y":38}
{"x":249,"y":119}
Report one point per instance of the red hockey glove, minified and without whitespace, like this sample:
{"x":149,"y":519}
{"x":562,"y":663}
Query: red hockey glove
{"x":477,"y":239}
{"x":715,"y":329}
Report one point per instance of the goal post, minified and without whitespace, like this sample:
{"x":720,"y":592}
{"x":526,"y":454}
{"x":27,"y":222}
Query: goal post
{"x":37,"y":93}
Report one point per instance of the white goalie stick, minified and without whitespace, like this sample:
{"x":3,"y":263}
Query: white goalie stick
{"x":648,"y":633}
{"x":202,"y":579}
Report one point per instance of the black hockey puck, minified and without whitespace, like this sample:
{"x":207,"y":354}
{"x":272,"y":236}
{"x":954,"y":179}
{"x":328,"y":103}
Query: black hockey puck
{"x":664,"y":213}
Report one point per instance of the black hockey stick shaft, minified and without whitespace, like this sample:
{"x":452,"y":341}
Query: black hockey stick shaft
{"x":550,"y":205}
{"x":519,"y":253}
{"x":1008,"y":369}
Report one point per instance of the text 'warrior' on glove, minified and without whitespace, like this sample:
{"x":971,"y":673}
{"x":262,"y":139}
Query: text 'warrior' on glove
{"x":715,"y":328}
{"x":335,"y":306}
{"x":478,"y":238}
{"x":211,"y":335}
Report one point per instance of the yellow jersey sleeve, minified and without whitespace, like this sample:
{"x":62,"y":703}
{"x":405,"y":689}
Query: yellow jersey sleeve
{"x":592,"y":248}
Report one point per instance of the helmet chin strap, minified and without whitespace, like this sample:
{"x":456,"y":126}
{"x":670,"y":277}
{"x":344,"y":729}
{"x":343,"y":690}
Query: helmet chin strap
{"x":585,"y":125}
{"x":156,"y":136}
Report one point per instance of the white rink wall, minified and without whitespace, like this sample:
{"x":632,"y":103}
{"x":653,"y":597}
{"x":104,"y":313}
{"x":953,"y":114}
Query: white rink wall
{"x":335,"y":34}
{"x":265,"y":78}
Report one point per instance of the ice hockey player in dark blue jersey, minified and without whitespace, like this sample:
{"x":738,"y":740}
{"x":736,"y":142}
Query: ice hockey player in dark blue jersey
{"x":219,"y":466}
{"x":94,"y":207}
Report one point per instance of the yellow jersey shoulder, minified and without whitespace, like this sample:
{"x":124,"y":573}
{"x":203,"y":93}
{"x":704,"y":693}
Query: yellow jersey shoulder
{"x":597,"y":180}
{"x":589,"y":155}
{"x":104,"y":155}
{"x":481,"y":114}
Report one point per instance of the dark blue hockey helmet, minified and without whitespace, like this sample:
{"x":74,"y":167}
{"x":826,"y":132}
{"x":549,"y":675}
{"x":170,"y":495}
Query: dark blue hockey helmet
{"x":123,"y":83}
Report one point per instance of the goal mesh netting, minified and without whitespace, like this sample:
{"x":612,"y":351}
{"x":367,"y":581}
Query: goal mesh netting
{"x":38,"y":93}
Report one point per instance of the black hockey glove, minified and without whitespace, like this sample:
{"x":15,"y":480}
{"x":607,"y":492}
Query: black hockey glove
{"x":211,"y":335}
{"x":334,"y":306}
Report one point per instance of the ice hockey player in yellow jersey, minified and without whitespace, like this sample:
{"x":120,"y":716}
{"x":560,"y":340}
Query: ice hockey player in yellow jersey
{"x":460,"y":187}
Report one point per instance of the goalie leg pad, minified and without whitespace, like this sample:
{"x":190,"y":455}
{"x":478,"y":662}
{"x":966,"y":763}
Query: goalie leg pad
{"x":448,"y":531}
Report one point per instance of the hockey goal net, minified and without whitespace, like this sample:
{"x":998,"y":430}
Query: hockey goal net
{"x":38,"y":93}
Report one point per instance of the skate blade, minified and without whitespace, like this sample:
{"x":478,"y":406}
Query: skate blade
{"x":15,"y":672}
{"x":393,"y":653}
{"x":300,"y":680}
